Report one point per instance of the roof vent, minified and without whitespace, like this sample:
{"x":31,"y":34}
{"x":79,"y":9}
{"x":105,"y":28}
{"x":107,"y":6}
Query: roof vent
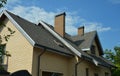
{"x":59,"y":44}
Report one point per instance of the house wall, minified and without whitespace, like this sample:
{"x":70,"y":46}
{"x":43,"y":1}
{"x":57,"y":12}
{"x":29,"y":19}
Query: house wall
{"x":20,"y":49}
{"x":92,"y":69}
{"x":50,"y":62}
{"x":96,"y":48}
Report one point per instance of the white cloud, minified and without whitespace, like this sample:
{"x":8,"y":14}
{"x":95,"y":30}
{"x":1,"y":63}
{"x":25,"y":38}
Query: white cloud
{"x":115,"y":1}
{"x":13,"y":1}
{"x":90,"y":26}
{"x":35,"y":14}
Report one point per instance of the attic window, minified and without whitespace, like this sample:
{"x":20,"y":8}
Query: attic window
{"x":59,"y":44}
{"x":93,"y":49}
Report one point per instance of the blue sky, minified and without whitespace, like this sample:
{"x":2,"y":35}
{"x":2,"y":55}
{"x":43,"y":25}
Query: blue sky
{"x":100,"y":15}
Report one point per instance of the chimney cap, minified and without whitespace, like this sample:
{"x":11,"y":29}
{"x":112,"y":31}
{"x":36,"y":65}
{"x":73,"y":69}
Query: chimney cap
{"x":81,"y":27}
{"x":63,"y":13}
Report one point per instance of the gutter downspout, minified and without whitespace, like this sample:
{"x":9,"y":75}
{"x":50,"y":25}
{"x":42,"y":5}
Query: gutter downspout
{"x":39,"y":56}
{"x":76,"y":65}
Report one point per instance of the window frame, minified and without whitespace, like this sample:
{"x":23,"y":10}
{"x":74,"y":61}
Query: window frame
{"x":87,"y":71}
{"x":96,"y":74}
{"x":106,"y":74}
{"x":93,"y":49}
{"x":57,"y":74}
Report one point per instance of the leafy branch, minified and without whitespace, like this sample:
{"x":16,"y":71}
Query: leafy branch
{"x":2,"y":3}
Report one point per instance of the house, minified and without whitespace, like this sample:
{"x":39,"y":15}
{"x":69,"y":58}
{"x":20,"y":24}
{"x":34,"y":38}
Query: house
{"x":45,"y":50}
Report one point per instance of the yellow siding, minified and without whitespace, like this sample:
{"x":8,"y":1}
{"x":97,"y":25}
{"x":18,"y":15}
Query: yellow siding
{"x":50,"y":62}
{"x":92,"y":69}
{"x":19,"y":48}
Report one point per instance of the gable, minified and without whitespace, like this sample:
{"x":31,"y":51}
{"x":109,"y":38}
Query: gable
{"x":19,"y":48}
{"x":98,"y":44}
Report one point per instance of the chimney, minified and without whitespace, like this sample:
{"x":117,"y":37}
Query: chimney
{"x":81,"y":30}
{"x":60,"y":24}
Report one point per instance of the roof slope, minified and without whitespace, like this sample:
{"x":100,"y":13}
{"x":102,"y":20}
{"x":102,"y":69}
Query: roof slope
{"x":40,"y":35}
{"x":85,"y":40}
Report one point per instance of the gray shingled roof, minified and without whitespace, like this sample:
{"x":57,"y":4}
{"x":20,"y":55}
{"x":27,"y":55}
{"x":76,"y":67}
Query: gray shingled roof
{"x":45,"y":39}
{"x":41,"y":36}
{"x":85,"y":40}
{"x":102,"y":61}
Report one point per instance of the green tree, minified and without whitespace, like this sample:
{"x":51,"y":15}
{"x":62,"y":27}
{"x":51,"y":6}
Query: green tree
{"x":2,"y":3}
{"x":114,"y":56}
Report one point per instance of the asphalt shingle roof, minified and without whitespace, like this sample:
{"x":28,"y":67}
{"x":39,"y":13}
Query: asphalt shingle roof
{"x":85,"y":40}
{"x":40,"y":35}
{"x":43,"y":38}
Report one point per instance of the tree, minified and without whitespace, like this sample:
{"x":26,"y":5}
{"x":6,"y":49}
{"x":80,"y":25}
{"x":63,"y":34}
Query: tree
{"x":114,"y":56}
{"x":2,"y":3}
{"x":6,"y":37}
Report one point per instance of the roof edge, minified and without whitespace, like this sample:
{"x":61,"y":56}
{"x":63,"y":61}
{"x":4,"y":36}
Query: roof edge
{"x":61,"y":39}
{"x":54,"y":50}
{"x":30,"y":40}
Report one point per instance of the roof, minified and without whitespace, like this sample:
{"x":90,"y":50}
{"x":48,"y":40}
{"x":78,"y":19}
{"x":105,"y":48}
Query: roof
{"x":39,"y":35}
{"x":43,"y":35}
{"x":85,"y":41}
{"x":102,"y":61}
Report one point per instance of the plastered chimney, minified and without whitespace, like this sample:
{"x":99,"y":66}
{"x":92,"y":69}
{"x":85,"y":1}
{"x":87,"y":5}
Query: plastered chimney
{"x":81,"y":30}
{"x":59,"y":25}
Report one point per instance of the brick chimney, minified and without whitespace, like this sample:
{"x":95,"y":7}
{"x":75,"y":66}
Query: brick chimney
{"x":81,"y":30}
{"x":59,"y":25}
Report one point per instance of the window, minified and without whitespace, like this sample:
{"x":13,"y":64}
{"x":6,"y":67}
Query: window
{"x":95,"y":74}
{"x":106,"y":74}
{"x":93,"y":49}
{"x":87,"y":72}
{"x":2,"y":50}
{"x":44,"y":73}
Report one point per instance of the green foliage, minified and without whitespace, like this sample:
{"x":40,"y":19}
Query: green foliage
{"x":109,"y":55}
{"x":114,"y":56}
{"x":2,"y":3}
{"x":7,"y":37}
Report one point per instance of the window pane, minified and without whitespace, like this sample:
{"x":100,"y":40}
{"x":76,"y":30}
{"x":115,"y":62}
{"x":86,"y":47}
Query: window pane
{"x":96,"y":74}
{"x":87,"y":72}
{"x":44,"y":73}
{"x":106,"y":74}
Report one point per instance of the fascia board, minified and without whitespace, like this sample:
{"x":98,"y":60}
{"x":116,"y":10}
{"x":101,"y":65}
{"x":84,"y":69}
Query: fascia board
{"x":32,"y":42}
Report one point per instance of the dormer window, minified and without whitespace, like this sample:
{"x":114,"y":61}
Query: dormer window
{"x":93,"y":49}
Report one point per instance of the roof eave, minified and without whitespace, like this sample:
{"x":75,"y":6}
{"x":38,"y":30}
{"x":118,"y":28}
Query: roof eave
{"x":53,"y":50}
